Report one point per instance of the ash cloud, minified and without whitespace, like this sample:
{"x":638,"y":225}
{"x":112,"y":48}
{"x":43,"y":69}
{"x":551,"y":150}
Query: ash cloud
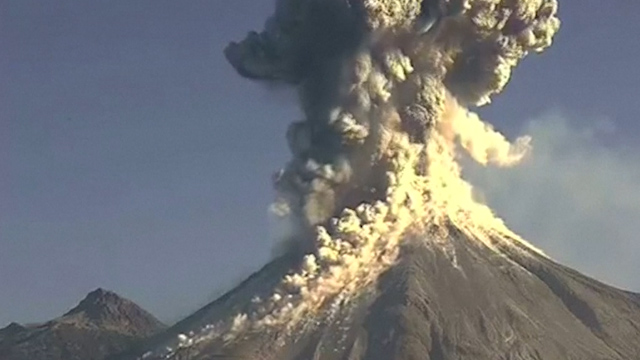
{"x":385,"y":87}
{"x":371,"y":72}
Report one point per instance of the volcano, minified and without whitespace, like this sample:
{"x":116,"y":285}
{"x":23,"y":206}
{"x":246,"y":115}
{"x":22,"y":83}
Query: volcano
{"x":389,"y":254}
{"x":468,"y":303}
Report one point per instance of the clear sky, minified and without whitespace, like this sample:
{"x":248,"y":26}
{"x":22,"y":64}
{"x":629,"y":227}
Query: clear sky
{"x":133,"y":158}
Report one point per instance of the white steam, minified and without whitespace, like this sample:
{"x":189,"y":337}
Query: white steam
{"x":582,"y":198}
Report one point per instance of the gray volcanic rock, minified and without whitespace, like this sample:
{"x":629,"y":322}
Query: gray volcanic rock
{"x":102,"y":324}
{"x":466,"y":302}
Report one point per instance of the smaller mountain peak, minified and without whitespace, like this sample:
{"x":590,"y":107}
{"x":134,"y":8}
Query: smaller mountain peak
{"x":12,"y":328}
{"x":101,"y":294}
{"x":14,"y":325}
{"x":12,"y":331}
{"x":104,"y":308}
{"x":103,"y":323}
{"x":97,"y":302}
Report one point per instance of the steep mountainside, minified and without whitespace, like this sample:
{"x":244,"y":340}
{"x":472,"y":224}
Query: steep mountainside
{"x":102,"y":324}
{"x":465,"y":303}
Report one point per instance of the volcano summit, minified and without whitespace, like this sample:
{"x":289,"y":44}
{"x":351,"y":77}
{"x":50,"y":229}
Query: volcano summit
{"x":387,"y":254}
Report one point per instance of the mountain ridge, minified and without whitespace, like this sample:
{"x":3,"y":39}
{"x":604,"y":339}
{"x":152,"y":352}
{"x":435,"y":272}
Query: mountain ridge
{"x":101,"y":324}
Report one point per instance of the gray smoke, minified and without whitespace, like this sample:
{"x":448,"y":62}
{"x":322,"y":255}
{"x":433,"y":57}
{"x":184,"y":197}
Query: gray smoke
{"x":368,"y":71}
{"x":384,"y":86}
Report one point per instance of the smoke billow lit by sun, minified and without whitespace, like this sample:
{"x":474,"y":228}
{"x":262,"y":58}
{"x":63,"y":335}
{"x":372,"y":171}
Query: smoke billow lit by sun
{"x":380,"y":79}
{"x":385,"y":87}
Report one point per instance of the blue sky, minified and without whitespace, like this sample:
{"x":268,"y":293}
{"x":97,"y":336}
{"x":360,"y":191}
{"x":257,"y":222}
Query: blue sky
{"x":133,"y":158}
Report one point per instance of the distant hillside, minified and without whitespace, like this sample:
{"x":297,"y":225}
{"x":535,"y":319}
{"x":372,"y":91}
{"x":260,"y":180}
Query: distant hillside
{"x":103,"y":323}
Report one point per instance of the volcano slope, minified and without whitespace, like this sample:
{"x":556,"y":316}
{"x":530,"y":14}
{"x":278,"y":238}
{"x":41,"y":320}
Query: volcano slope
{"x":480,"y":306}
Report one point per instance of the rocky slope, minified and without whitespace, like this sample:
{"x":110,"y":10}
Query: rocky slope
{"x":101,"y":324}
{"x":465,"y":303}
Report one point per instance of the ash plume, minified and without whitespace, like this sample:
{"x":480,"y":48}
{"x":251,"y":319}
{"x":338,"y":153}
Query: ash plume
{"x":385,"y":87}
{"x":367,"y":79}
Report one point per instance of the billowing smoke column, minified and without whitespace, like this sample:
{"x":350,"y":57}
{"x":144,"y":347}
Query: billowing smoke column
{"x":376,"y":79}
{"x":385,"y":86}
